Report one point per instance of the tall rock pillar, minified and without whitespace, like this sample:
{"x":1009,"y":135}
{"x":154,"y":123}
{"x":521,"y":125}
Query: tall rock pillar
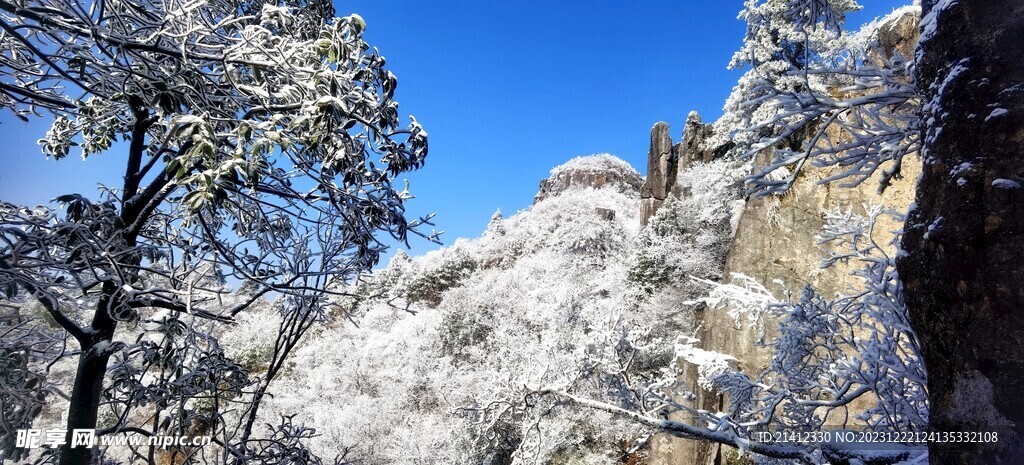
{"x":661,"y":172}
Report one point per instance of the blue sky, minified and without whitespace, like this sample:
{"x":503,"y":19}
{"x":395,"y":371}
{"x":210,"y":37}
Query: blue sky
{"x":507,"y":91}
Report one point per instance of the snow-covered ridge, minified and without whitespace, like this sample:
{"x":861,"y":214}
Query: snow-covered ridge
{"x":482,"y":314}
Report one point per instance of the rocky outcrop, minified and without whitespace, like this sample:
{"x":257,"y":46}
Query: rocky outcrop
{"x":665,"y":161}
{"x":595,"y":171}
{"x":606,"y":214}
{"x":696,"y":145}
{"x":661,"y":172}
{"x":898,"y":33}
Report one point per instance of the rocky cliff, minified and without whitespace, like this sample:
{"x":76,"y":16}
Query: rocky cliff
{"x":775,"y":238}
{"x":964,"y":241}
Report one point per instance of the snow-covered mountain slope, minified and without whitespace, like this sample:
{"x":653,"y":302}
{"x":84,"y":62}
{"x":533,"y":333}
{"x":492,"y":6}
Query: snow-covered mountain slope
{"x":423,"y":362}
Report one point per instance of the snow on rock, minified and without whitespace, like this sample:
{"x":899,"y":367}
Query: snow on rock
{"x":929,"y":23}
{"x":935,"y":227}
{"x":997,"y":113}
{"x":1005,"y":184}
{"x":961,"y":169}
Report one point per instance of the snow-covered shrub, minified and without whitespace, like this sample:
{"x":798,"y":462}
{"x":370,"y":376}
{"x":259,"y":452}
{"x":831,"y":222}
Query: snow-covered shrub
{"x":443,"y":270}
{"x":472,"y":326}
{"x":250,"y":341}
{"x":689,"y":234}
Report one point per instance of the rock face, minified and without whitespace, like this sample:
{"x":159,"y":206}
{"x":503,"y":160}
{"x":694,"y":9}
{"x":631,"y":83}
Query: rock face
{"x":964,"y":264}
{"x":695,"y":146}
{"x":775,"y":239}
{"x":665,"y":161}
{"x":898,"y":34}
{"x":605,"y":213}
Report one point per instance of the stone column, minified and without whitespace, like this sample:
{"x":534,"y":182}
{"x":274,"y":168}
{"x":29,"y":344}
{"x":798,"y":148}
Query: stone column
{"x":661,"y":172}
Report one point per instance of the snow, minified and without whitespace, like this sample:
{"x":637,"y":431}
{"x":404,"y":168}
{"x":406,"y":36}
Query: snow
{"x":997,"y":113}
{"x":540,"y":295}
{"x":934,"y":226}
{"x":709,"y":363}
{"x":595,"y":163}
{"x":951,"y":76}
{"x":961,"y":169}
{"x":934,"y":106}
{"x":1002,"y":183}
{"x":929,"y":23}
{"x":536,"y":290}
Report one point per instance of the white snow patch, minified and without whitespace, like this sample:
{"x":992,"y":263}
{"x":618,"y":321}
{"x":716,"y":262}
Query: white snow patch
{"x":934,"y":226}
{"x":778,"y":174}
{"x":1002,"y":183}
{"x":954,"y":73}
{"x":709,"y":364}
{"x":997,"y":113}
{"x":598,"y":162}
{"x":961,"y":168}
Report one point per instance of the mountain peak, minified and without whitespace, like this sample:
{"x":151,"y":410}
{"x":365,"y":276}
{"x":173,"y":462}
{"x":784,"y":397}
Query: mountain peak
{"x":595,"y":171}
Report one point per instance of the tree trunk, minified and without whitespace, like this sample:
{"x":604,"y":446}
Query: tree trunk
{"x":85,"y":401}
{"x":964,"y":262}
{"x":85,"y":396}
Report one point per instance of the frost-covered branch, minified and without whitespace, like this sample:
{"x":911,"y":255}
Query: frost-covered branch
{"x":817,"y":93}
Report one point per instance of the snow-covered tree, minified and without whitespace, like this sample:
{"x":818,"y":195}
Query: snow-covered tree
{"x":688,"y":235}
{"x":25,"y":337}
{"x":815,"y":92}
{"x":260,"y":145}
